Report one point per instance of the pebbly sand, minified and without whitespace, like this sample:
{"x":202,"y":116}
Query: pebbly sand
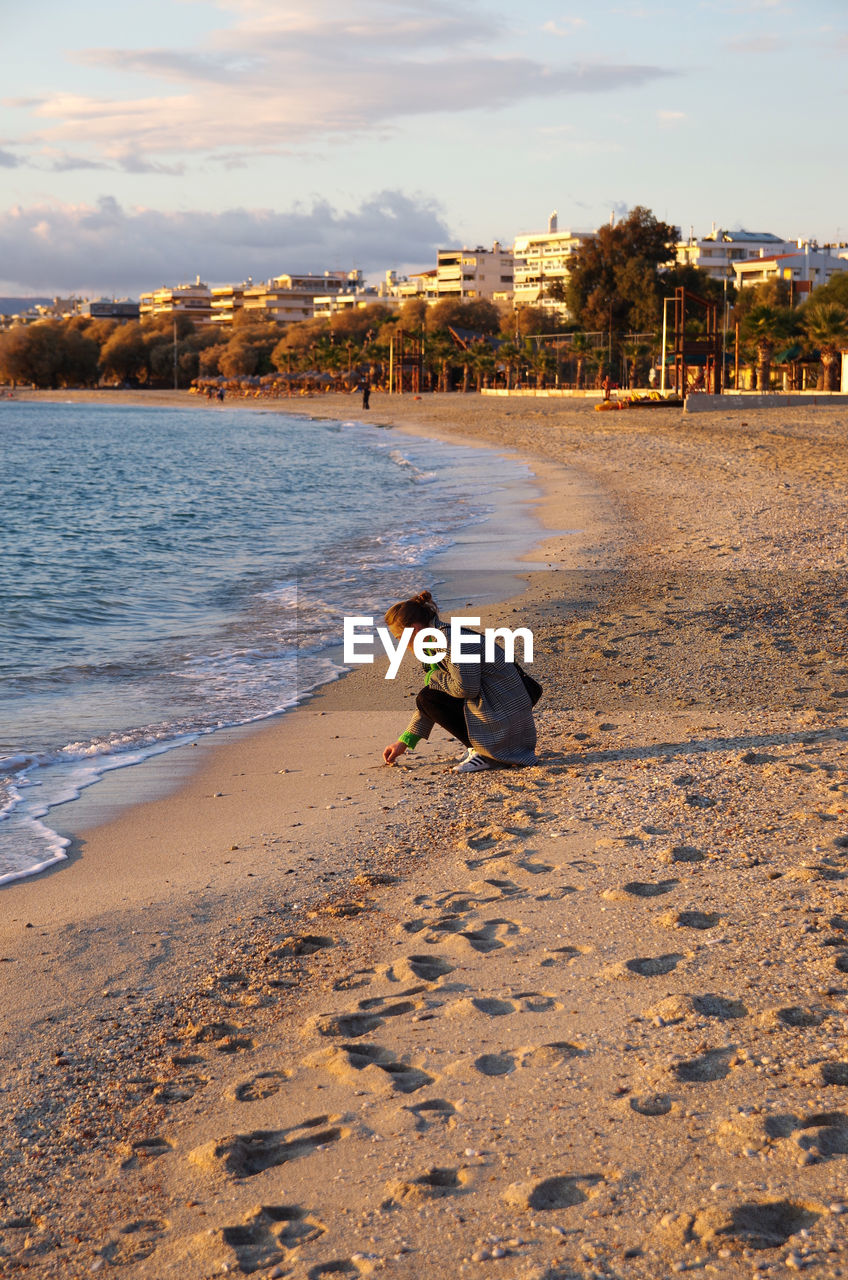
{"x":305,"y":1016}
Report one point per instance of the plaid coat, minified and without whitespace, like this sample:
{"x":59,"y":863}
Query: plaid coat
{"x":498,"y":711}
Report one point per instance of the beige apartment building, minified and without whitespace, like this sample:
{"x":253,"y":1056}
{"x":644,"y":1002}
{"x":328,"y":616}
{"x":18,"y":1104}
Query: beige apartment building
{"x":471,"y":274}
{"x":194,"y":300}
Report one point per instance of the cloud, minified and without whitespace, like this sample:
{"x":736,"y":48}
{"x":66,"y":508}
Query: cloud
{"x":564,"y":27}
{"x":759,"y":43}
{"x":9,"y":161}
{"x":284,"y":76}
{"x":105,"y":248}
{"x":668,"y":118}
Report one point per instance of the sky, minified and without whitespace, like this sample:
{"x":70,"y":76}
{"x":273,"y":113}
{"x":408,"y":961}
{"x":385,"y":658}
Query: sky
{"x":148,"y":143}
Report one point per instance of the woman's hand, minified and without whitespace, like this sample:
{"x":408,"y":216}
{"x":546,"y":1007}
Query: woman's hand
{"x":391,"y":753}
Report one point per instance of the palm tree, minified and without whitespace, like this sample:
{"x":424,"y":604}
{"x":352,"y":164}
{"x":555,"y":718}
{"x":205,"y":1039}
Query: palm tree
{"x":483,"y":362}
{"x":579,"y":349}
{"x":826,"y":327}
{"x":509,"y":354}
{"x":764,"y":325}
{"x":635,"y":351}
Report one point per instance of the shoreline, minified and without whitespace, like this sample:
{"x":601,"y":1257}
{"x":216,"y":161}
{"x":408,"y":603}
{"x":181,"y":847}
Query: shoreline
{"x":582,"y":1019}
{"x":510,"y":534}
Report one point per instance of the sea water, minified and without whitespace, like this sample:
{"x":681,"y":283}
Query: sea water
{"x":170,"y":572}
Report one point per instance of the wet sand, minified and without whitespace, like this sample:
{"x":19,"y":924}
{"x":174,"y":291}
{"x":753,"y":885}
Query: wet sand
{"x":308,"y":1016}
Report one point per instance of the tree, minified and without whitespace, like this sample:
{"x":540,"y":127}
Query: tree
{"x":123,"y":356}
{"x":480,"y":316}
{"x":770,"y":293}
{"x":836,"y":290}
{"x":579,"y":348}
{"x":48,"y":354}
{"x":615,"y":283}
{"x":354,"y":323}
{"x":239,"y":359}
{"x":413,"y":313}
{"x":826,"y":326}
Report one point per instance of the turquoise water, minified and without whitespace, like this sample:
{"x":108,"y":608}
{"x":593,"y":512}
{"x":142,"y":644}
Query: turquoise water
{"x":166,"y":573}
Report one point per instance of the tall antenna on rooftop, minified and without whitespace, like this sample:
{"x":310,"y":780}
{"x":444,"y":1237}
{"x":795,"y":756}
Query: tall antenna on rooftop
{"x":553,"y":221}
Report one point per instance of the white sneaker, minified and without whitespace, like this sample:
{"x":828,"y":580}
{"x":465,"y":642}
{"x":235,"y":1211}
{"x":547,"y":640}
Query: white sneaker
{"x":473,"y":763}
{"x":466,"y":752}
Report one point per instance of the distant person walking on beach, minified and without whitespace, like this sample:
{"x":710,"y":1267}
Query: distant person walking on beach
{"x":366,"y":394}
{"x":485,"y":705}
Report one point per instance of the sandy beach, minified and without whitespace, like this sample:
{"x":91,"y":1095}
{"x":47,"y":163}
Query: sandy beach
{"x":301,"y":1015}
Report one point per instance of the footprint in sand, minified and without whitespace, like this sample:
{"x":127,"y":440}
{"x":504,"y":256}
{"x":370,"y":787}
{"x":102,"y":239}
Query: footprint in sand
{"x":429,"y":968}
{"x":181,"y":1089}
{"x":714,"y":1064}
{"x":432,"y":1185}
{"x":263,"y":1085}
{"x":644,"y":966}
{"x":243,"y":1155}
{"x":144,"y":1150}
{"x":262,"y":1240}
{"x":225,"y":1037}
{"x":336,"y":1267}
{"x":754,"y":1224}
{"x":342,"y":910}
{"x":712,"y":1006}
{"x":489,"y":1006}
{"x":305,"y":944}
{"x":495,"y":1064}
{"x":536,"y":1001}
{"x":651,"y":1104}
{"x":795,"y":1015}
{"x":691,"y":919}
{"x":393,"y":1006}
{"x":507,"y":888}
{"x":640,"y":889}
{"x":537,"y":1057}
{"x":556,"y":894}
{"x":551,"y":1193}
{"x":824,"y":1134}
{"x":357,"y":1063}
{"x":361,"y":1022}
{"x":431,"y":1112}
{"x":563,"y":955}
{"x":133,"y":1242}
{"x":684,"y":853}
{"x":534,"y":868}
{"x":451,"y":923}
{"x":352,"y":981}
{"x":834,"y":1073}
{"x":490,"y":936}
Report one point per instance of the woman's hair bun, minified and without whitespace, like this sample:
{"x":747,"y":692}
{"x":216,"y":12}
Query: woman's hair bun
{"x":423,"y":597}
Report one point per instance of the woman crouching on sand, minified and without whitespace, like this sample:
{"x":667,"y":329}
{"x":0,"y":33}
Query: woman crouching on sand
{"x":484,"y":704}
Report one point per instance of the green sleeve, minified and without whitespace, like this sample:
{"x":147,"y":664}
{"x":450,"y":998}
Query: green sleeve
{"x":410,"y":740}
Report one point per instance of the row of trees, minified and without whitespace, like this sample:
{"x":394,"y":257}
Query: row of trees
{"x":818,"y":330}
{"x":614,"y":295}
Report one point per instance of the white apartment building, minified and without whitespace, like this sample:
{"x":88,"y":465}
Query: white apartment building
{"x":288,"y":298}
{"x":332,"y":303}
{"x":471,"y":274}
{"x":804,"y":269}
{"x":543,"y":258}
{"x":718,"y":252}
